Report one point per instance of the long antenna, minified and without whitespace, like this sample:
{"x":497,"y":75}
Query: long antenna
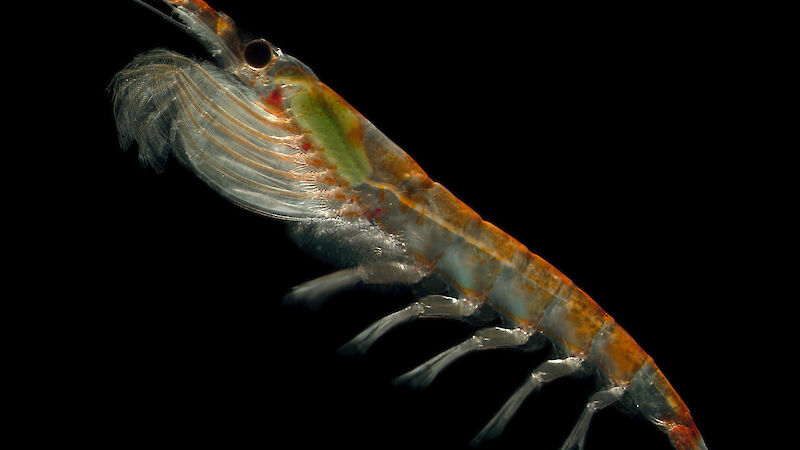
{"x":163,"y":15}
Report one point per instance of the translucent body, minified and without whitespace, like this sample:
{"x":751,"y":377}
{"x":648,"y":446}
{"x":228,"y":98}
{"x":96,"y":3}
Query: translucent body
{"x":274,"y":139}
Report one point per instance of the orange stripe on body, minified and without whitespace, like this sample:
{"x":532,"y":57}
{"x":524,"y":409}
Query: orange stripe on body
{"x":617,"y":354}
{"x":585,"y":317}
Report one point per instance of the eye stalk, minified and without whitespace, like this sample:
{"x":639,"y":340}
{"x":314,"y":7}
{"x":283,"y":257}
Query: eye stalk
{"x":257,"y":54}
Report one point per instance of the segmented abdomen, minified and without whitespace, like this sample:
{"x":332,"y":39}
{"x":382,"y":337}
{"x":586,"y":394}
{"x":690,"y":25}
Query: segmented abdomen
{"x":485,"y":264}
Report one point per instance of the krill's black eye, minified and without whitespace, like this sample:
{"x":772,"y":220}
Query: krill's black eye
{"x":257,"y":54}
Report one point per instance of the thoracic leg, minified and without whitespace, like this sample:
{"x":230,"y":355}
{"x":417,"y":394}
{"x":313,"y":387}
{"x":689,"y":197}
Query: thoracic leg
{"x":438,"y":306}
{"x":546,"y":372}
{"x":485,"y":339}
{"x":313,"y":293}
{"x":597,"y":402}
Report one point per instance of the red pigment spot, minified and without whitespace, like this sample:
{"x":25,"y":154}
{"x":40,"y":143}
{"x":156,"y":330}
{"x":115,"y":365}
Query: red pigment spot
{"x":305,"y":145}
{"x":683,"y":437}
{"x":372,"y":214}
{"x":275,"y":100}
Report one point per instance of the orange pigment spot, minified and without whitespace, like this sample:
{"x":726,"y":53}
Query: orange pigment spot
{"x":355,"y":135}
{"x":203,"y":6}
{"x":199,"y":4}
{"x":425,"y":182}
{"x":328,"y":179}
{"x":315,"y":162}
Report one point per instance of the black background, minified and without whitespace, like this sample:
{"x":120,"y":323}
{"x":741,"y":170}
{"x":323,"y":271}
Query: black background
{"x":603,"y":140}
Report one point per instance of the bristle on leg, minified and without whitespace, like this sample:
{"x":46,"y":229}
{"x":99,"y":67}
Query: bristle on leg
{"x":313,"y":294}
{"x":431,"y":306}
{"x":485,"y":339}
{"x":546,"y":372}
{"x":597,"y":402}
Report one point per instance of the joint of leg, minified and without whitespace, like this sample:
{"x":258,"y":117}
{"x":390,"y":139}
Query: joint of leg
{"x":557,"y":368}
{"x":496,"y":337}
{"x":604,"y":398}
{"x":447,"y":307}
{"x":418,"y":309}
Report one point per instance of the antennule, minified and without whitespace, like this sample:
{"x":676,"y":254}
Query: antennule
{"x":163,"y":15}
